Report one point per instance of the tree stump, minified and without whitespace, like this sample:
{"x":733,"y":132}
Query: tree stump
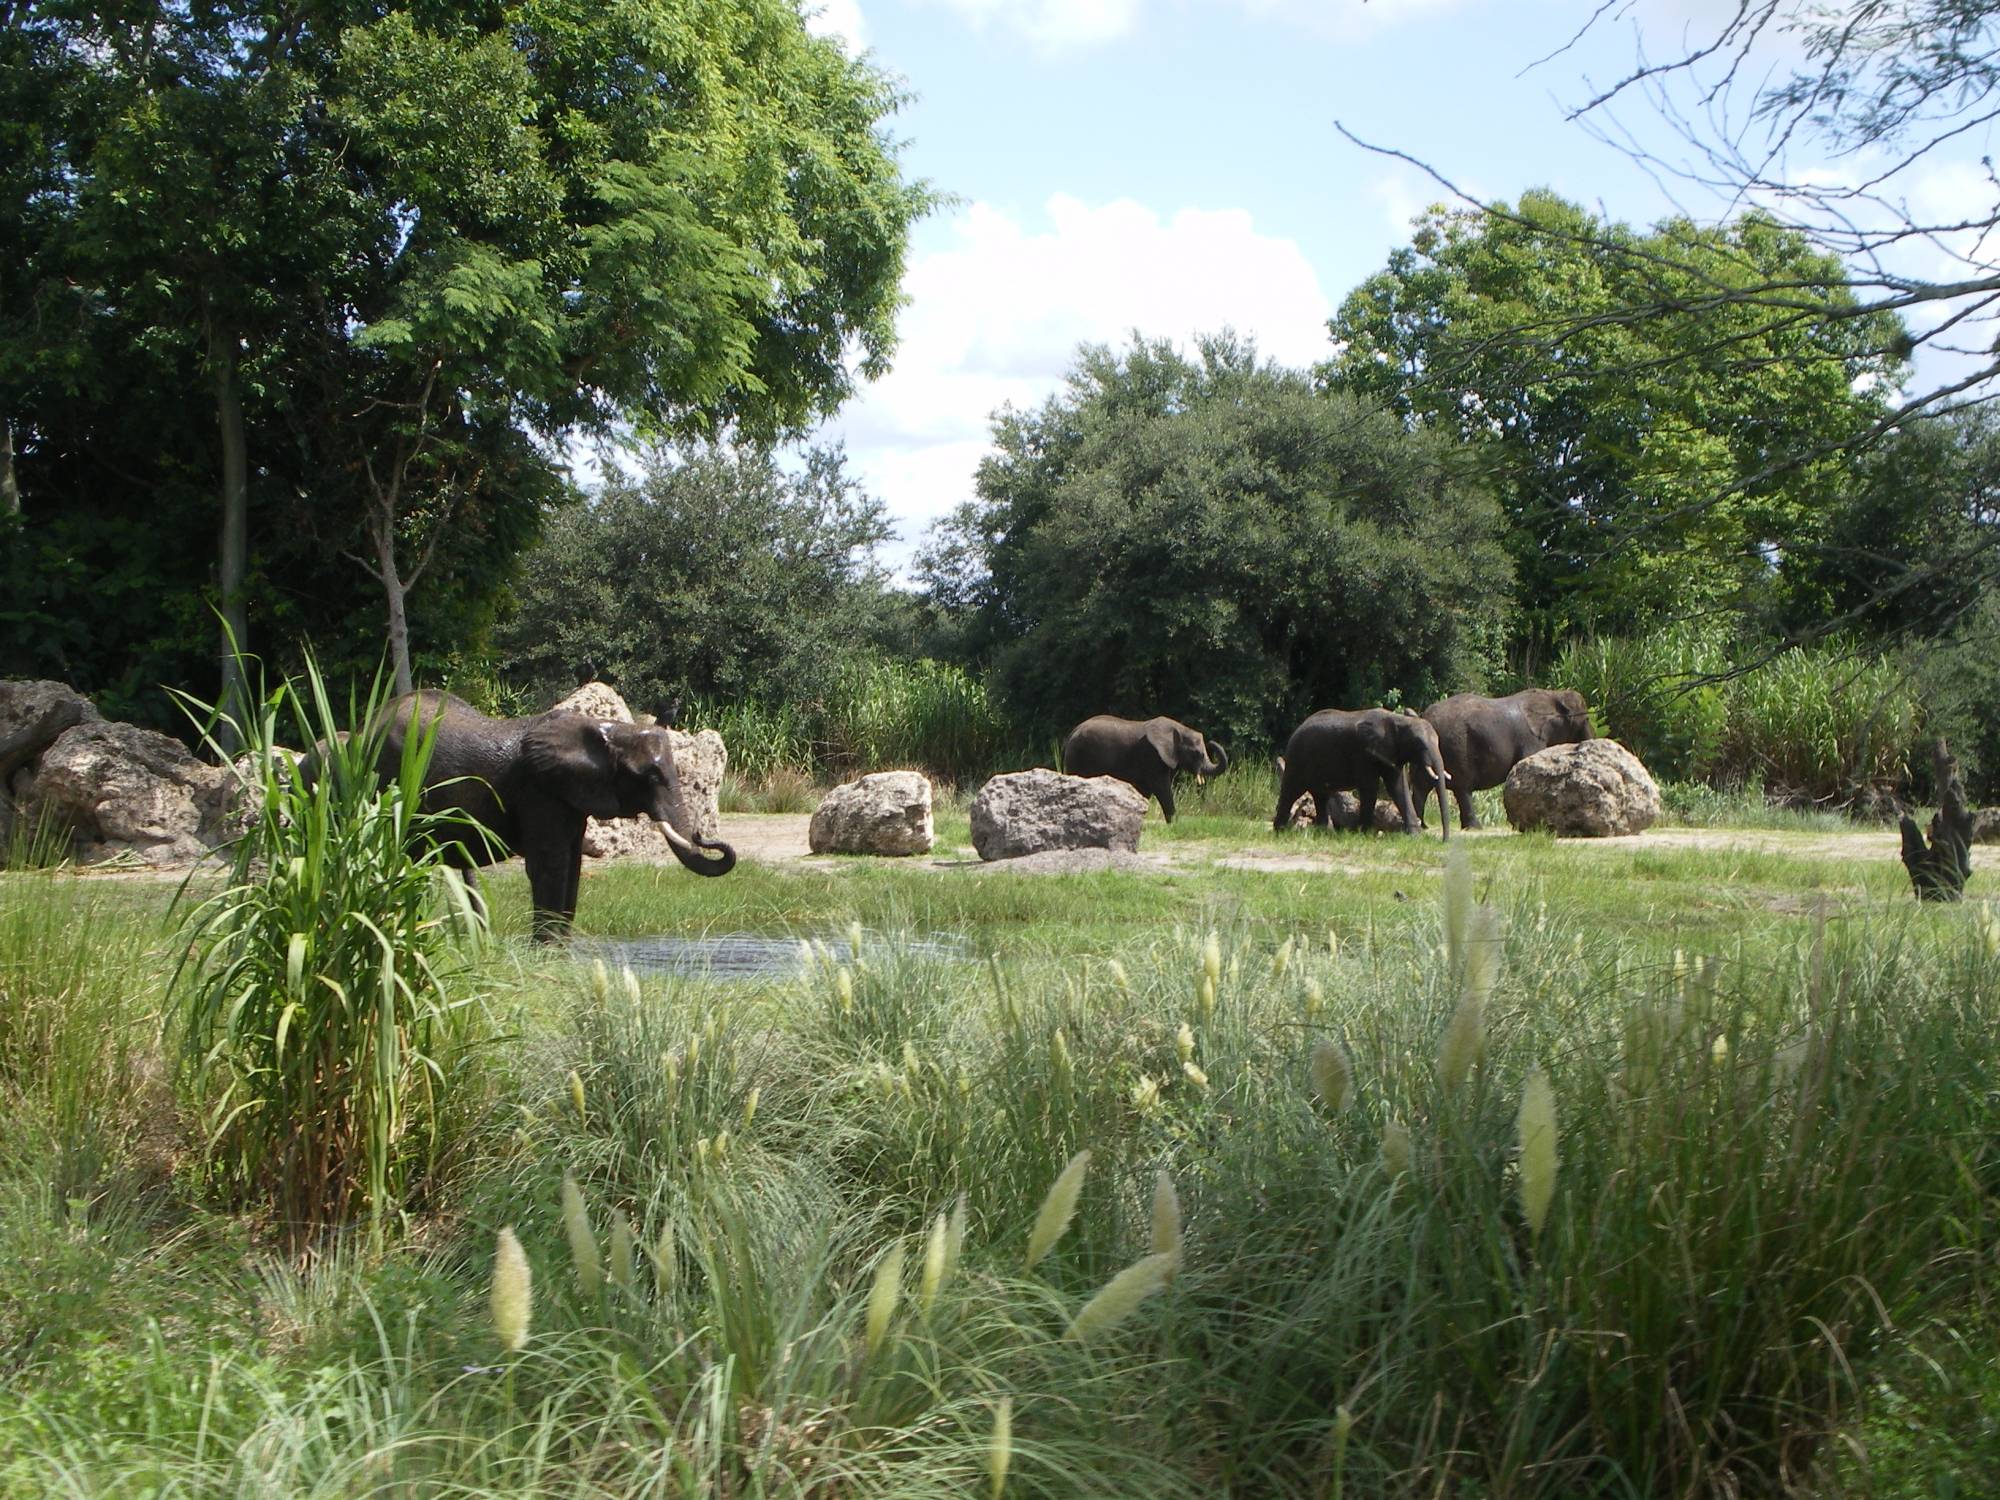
{"x":1939,"y":869}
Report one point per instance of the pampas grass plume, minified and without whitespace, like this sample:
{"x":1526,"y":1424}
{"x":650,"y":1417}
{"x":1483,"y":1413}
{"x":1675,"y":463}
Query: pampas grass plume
{"x":1057,"y":1208}
{"x":1121,"y":1294}
{"x":511,"y":1297}
{"x":1184,"y":1042}
{"x":882,"y":1296}
{"x":1396,"y":1149}
{"x":600,"y":982}
{"x":1457,"y":904}
{"x":576,"y":1096}
{"x":1282,"y":959}
{"x":666,"y":1265}
{"x":1535,"y":1127}
{"x":582,"y":1242}
{"x":1211,"y":959}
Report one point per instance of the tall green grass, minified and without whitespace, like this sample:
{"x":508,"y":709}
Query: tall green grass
{"x":316,"y":1018}
{"x":1820,"y":725}
{"x":873,"y":715}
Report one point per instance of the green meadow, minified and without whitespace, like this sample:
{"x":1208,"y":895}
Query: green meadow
{"x":1313,"y":1166}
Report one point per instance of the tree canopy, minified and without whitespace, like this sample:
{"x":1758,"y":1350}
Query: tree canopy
{"x":402,"y":252}
{"x":1652,"y":466}
{"x":714,"y":573}
{"x":1205,"y":536}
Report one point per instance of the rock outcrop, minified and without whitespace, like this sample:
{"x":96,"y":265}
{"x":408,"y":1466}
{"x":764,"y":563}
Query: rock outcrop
{"x":1027,"y":812}
{"x":1593,"y":790}
{"x":700,"y":760}
{"x":119,"y":789}
{"x":887,"y":813}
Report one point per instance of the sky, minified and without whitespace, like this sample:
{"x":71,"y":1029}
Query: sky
{"x":1173,"y":167}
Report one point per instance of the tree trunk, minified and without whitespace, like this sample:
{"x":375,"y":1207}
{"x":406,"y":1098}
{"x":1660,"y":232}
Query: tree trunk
{"x":1939,"y":870}
{"x":10,"y":486}
{"x":235,"y":539}
{"x":382,"y":531}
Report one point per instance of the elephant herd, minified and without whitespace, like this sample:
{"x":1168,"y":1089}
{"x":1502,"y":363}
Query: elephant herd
{"x":529,"y":786}
{"x":1465,"y":743}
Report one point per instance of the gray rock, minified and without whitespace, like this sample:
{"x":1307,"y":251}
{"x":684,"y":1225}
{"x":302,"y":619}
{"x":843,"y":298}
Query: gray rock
{"x":1986,"y":826}
{"x":33,"y":715}
{"x":1596,"y":789}
{"x":700,"y":759}
{"x":1027,"y":812}
{"x":888,"y":812}
{"x":121,"y":789}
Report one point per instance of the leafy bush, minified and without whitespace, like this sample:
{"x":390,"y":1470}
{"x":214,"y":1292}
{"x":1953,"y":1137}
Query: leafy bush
{"x":319,"y":1037}
{"x":1642,"y":693}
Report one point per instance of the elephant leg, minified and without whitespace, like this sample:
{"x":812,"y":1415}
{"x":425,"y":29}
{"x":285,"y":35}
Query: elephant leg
{"x":1400,"y":787}
{"x":1164,"y":790}
{"x":1464,"y":800}
{"x":1322,"y":807}
{"x":475,"y":897}
{"x":1366,"y":794}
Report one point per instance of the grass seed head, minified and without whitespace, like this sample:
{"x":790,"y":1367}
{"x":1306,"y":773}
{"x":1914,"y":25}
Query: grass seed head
{"x":582,"y":1241}
{"x":1211,"y":959}
{"x":1282,"y":959}
{"x":1396,"y":1149}
{"x":1166,"y":1217}
{"x":1057,"y":1208}
{"x":511,"y":1297}
{"x":1146,"y":1094}
{"x":666,"y":1264}
{"x":937,"y":1248}
{"x":883,"y":1295}
{"x":750,"y":1106}
{"x":1195,"y":1075}
{"x":954,"y":1237}
{"x":632,"y":994}
{"x":1184,"y":1042}
{"x":1123,"y":1293}
{"x":1118,"y":975}
{"x":576,"y":1097}
{"x":1333,"y":1074}
{"x":1000,"y":1448}
{"x":1535,"y":1129}
{"x":1464,"y":1041}
{"x":621,"y":1268}
{"x":843,"y":989}
{"x":1457,"y":904}
{"x":600,"y":982}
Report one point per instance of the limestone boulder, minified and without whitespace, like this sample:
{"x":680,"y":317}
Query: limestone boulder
{"x":120,"y":789}
{"x":1027,"y":812}
{"x":888,"y":813}
{"x":700,"y":759}
{"x":1597,"y":789}
{"x":33,"y":715}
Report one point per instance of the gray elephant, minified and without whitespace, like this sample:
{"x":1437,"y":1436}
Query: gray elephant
{"x":1482,"y":739}
{"x":1143,"y":753}
{"x":532,"y":783}
{"x":1356,"y":750}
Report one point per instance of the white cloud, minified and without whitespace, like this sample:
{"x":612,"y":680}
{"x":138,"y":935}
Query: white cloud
{"x":1055,"y":25}
{"x":837,"y":18}
{"x":997,"y":313}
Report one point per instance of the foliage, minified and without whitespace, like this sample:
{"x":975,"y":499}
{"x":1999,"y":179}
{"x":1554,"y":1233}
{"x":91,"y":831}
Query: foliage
{"x":320,"y":1037}
{"x":393,"y":254}
{"x":1633,"y":454}
{"x":1205,"y":537}
{"x":715,"y":573}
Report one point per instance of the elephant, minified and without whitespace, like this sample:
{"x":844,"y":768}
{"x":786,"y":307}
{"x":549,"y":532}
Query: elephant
{"x":1482,"y":739}
{"x":1355,"y":750}
{"x":1144,"y":754}
{"x":532,"y":783}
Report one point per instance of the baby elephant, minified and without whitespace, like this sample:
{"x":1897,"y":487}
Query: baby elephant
{"x":1144,"y":754}
{"x":1359,"y":750}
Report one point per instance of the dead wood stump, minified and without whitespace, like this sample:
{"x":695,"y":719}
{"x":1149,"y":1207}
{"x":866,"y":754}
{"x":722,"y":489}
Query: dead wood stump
{"x":1939,"y":869}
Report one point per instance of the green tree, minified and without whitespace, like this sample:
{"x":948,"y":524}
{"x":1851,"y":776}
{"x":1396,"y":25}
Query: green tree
{"x":1636,"y":454}
{"x":1209,"y":538}
{"x":414,"y":248}
{"x":715,"y":573}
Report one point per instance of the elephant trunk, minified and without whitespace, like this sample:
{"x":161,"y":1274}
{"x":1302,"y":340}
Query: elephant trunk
{"x":1219,"y":761}
{"x":693,"y":852}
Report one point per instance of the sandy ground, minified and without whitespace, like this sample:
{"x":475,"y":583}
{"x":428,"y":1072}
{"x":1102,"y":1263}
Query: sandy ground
{"x":780,"y":838}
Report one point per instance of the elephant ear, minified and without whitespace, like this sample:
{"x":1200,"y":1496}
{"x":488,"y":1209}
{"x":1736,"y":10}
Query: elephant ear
{"x":1164,"y":736}
{"x":573,"y":761}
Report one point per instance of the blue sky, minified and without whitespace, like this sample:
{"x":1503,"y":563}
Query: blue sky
{"x":1173,"y":166}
